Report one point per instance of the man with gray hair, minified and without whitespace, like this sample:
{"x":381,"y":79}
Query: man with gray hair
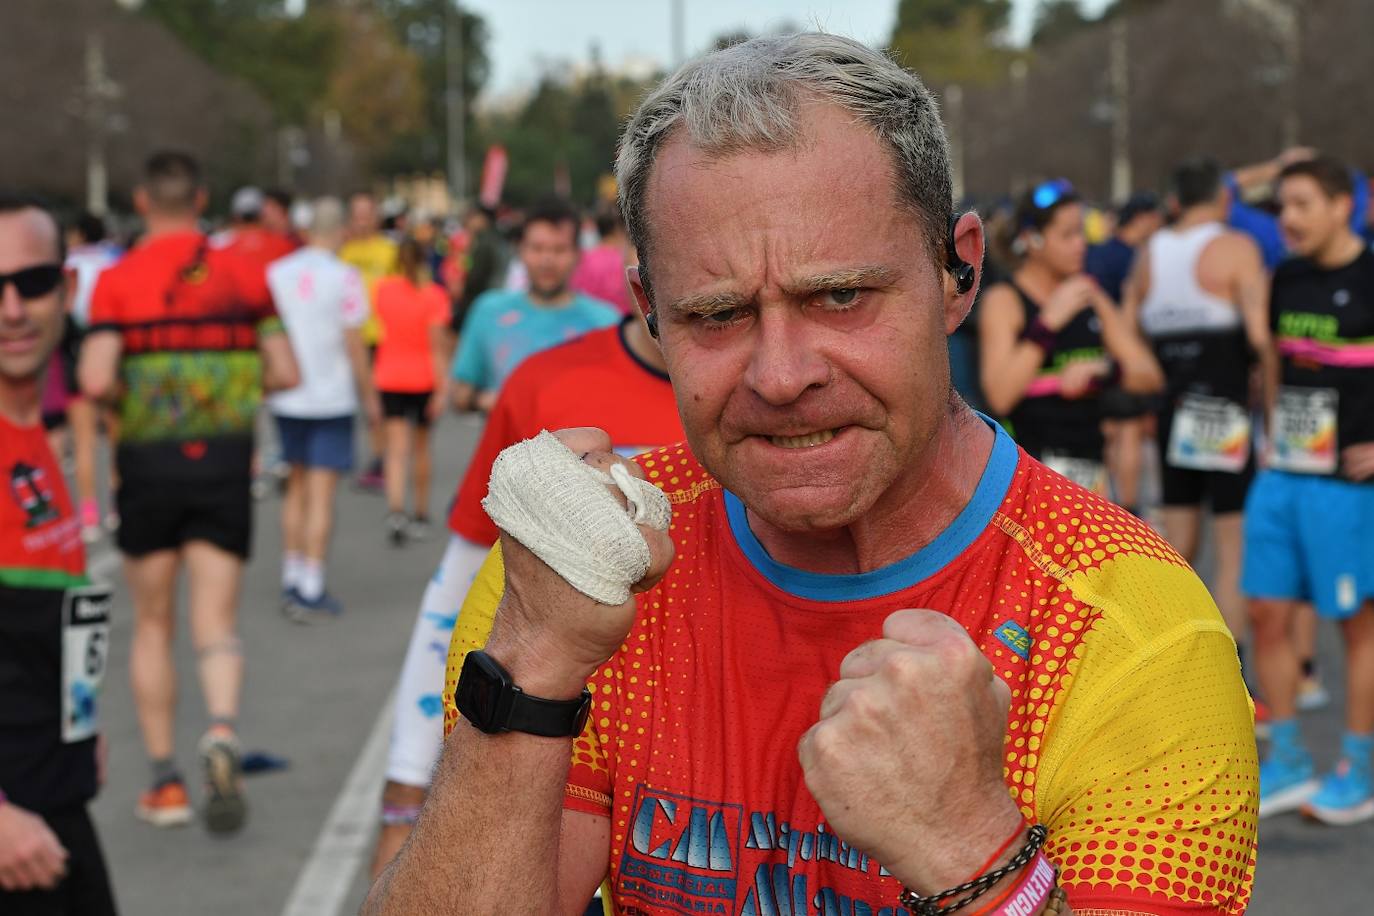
{"x":323,"y":303}
{"x":882,"y":661}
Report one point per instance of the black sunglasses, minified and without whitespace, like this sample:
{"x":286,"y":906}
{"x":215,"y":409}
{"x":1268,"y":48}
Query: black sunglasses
{"x":32,"y":282}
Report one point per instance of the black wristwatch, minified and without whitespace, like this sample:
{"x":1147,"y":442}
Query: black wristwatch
{"x":490,"y":700}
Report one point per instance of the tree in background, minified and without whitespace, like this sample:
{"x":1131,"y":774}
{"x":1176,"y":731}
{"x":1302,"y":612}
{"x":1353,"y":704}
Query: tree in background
{"x":953,"y":41}
{"x":421,"y":26}
{"x":378,"y":65}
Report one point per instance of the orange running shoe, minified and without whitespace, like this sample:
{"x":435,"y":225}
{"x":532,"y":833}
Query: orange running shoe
{"x":166,"y":805}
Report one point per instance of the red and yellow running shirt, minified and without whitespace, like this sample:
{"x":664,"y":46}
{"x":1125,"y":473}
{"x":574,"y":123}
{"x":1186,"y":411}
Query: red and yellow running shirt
{"x":1130,"y":734}
{"x":593,"y":380}
{"x":189,"y":316}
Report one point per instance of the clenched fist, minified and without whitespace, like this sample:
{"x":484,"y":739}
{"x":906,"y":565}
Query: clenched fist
{"x":548,"y":634}
{"x":906,"y":760}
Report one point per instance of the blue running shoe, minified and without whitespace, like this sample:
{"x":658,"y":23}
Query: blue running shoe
{"x":301,"y":609}
{"x":1286,"y":782}
{"x":1346,"y":796}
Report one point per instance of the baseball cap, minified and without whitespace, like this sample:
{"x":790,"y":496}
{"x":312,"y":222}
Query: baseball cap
{"x":247,"y":201}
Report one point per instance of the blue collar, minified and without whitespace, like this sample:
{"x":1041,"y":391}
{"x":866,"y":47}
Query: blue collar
{"x":954,"y":540}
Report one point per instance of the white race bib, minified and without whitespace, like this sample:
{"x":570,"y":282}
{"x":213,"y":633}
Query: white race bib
{"x":1209,"y":434}
{"x":1305,"y":430}
{"x":85,"y":649}
{"x":1088,"y":474}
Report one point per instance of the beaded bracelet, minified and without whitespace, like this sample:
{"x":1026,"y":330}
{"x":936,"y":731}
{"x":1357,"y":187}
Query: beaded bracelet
{"x":931,"y":905}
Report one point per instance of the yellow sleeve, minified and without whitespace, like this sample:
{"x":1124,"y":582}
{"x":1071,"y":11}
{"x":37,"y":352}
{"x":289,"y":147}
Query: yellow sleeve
{"x":1149,"y":781}
{"x":473,"y":626}
{"x":588,"y":782}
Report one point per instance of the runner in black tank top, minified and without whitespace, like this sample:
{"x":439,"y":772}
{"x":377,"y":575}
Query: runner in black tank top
{"x":1051,"y":340}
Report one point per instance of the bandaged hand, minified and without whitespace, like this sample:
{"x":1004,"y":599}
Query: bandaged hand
{"x":906,"y":758}
{"x":581,"y":533}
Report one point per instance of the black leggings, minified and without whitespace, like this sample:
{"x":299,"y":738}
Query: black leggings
{"x":85,"y":891}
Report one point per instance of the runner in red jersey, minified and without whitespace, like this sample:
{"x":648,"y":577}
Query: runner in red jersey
{"x":185,"y":339}
{"x":956,"y":677}
{"x":612,"y":377}
{"x":54,"y":625}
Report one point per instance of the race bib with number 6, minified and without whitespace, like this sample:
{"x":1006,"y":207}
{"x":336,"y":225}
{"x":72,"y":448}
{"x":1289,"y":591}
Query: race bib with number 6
{"x":85,"y":650}
{"x":1305,"y":430}
{"x":1209,"y":434}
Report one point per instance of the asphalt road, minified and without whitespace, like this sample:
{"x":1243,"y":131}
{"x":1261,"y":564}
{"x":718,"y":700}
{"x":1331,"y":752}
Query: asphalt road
{"x":314,"y":694}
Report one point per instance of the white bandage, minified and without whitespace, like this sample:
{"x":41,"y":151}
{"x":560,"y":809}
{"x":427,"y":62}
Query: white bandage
{"x":559,"y":507}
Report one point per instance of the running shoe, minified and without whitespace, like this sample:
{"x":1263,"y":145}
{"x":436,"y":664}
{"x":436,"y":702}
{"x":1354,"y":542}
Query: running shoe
{"x":418,"y":528}
{"x":225,"y":809}
{"x":302,"y":609}
{"x":370,"y":480}
{"x":1286,"y":782}
{"x":1312,"y":694}
{"x":397,"y":529}
{"x":166,"y":805}
{"x":1346,"y":796}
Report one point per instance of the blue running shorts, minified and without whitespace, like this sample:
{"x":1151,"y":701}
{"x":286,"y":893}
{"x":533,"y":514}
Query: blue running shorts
{"x":1310,"y":538}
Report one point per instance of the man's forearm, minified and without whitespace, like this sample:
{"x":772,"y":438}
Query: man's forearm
{"x":487,"y":840}
{"x":488,"y":837}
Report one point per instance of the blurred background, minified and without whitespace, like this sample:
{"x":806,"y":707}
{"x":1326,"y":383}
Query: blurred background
{"x":440,"y":107}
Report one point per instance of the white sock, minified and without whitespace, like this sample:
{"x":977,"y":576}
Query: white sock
{"x":291,"y":569}
{"x":311,"y":581}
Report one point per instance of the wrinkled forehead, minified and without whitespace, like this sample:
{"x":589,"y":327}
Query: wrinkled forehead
{"x":28,"y":237}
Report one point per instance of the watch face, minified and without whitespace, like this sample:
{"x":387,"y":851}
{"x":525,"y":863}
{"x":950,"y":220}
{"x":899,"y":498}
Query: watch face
{"x":483,"y":691}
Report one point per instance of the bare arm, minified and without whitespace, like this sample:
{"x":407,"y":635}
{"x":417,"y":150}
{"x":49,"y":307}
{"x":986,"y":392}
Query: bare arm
{"x":279,"y":368}
{"x":97,"y":370}
{"x":1136,"y":288}
{"x":494,"y":813}
{"x":1140,"y":372}
{"x":1008,"y":363}
{"x":464,"y":395}
{"x":1250,"y":292}
{"x":362,"y":373}
{"x":438,"y":354}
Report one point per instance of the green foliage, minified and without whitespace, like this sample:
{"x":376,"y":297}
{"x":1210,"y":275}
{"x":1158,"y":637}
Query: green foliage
{"x":952,"y":41}
{"x":421,"y":26}
{"x":287,"y":60}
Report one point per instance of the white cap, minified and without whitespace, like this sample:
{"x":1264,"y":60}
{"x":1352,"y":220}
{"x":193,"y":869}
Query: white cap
{"x":247,"y":201}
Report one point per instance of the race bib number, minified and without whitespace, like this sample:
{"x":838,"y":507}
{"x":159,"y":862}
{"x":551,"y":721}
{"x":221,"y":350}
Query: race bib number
{"x":1209,"y":434}
{"x":85,"y":650}
{"x":1088,"y":474}
{"x":1305,"y":430}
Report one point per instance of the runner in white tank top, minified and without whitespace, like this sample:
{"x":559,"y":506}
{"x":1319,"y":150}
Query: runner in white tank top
{"x":1200,"y":294}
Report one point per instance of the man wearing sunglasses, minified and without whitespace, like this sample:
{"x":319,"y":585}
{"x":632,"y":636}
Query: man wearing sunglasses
{"x":54,"y":625}
{"x":185,"y":338}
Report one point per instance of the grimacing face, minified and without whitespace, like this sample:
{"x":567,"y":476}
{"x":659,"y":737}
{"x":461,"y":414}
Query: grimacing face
{"x":30,"y":329}
{"x":1308,"y":217}
{"x":802,"y":319}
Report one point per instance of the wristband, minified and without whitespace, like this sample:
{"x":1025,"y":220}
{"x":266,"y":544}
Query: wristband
{"x":1032,"y":893}
{"x":1039,"y":333}
{"x":964,"y":894}
{"x":395,"y":815}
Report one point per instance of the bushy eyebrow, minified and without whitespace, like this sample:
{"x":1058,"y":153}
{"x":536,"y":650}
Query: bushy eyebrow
{"x":847,"y":278}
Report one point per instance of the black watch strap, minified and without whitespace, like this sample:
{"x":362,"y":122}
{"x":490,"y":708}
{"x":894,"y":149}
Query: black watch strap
{"x":548,"y":718}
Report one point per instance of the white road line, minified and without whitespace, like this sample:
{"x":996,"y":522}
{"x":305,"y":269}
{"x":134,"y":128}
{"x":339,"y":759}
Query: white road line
{"x":344,"y":840}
